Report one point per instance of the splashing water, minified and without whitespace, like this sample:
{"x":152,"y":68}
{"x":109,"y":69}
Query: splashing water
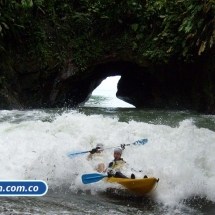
{"x":34,"y":145}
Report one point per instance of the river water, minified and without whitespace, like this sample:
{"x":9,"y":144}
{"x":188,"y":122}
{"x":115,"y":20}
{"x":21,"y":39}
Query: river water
{"x":180,"y":152}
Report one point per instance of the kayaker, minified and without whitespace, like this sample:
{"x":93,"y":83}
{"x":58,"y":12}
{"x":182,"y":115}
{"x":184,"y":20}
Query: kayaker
{"x":114,"y":167}
{"x":96,"y":156}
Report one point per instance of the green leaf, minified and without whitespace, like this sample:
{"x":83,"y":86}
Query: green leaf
{"x":134,"y":46}
{"x":104,"y":17}
{"x":139,"y":36}
{"x":188,"y":28}
{"x":135,"y":27}
{"x":27,"y":3}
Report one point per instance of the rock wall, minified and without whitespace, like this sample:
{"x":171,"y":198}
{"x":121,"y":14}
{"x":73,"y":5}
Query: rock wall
{"x":173,"y":86}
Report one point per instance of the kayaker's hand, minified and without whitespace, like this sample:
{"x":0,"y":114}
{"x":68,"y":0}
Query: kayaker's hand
{"x":111,"y":172}
{"x":93,"y":151}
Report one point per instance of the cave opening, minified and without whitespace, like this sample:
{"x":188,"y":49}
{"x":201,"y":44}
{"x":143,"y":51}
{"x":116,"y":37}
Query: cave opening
{"x":105,"y":95}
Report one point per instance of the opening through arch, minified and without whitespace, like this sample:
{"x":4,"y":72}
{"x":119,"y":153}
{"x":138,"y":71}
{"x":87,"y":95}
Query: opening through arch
{"x":105,"y":95}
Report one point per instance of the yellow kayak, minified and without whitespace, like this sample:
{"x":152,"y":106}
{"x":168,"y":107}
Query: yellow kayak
{"x":138,"y":186}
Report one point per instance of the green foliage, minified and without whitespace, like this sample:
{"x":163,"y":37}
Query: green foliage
{"x":47,"y":31}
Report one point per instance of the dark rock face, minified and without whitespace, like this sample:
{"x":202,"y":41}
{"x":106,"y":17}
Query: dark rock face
{"x":140,"y":88}
{"x":172,"y":86}
{"x":147,"y":90}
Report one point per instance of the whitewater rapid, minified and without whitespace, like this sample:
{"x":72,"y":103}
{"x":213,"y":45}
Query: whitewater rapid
{"x":34,"y":145}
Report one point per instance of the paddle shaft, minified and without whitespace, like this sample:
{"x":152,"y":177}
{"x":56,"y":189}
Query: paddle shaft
{"x":77,"y":153}
{"x":138,"y":142}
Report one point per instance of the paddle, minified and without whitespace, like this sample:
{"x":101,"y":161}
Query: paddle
{"x":73,"y":154}
{"x":138,"y":142}
{"x":92,"y":178}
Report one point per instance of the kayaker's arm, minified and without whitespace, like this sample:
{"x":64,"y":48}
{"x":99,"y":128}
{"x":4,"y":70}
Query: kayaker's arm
{"x":90,"y":157}
{"x":93,"y":151}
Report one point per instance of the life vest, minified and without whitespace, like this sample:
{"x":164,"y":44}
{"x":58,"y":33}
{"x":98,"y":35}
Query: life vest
{"x":116,"y":164}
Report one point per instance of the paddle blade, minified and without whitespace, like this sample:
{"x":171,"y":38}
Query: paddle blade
{"x":73,"y":154}
{"x":140,"y":142}
{"x":92,"y":178}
